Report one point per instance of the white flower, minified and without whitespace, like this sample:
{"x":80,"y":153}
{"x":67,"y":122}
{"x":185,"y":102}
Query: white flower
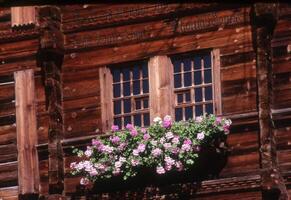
{"x":228,"y":122}
{"x":169,"y":135}
{"x":175,"y":140}
{"x":154,"y":143}
{"x":200,"y":136}
{"x":84,"y":181}
{"x":135,"y":152}
{"x":122,"y":159}
{"x":117,"y":164}
{"x":199,"y":119}
{"x":158,"y":120}
{"x":88,"y":152}
{"x":167,"y":145}
{"x":167,"y":118}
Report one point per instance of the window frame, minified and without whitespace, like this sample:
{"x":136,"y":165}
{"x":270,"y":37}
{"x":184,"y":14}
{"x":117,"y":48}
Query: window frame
{"x":215,"y":83}
{"x":107,"y":98}
{"x":161,"y":87}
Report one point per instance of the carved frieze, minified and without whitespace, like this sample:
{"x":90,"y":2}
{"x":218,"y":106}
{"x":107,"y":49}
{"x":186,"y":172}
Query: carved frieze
{"x":157,"y":30}
{"x":111,"y":15}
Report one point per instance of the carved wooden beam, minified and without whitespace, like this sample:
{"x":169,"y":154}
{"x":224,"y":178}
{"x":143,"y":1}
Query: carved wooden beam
{"x":265,"y":17}
{"x":50,"y":57}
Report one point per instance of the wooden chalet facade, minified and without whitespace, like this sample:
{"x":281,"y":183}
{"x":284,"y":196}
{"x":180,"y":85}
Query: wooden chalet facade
{"x":67,"y":72}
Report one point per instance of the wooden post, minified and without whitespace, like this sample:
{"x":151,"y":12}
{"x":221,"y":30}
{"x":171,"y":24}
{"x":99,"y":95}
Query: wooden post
{"x":50,"y":58}
{"x":264,"y":23}
{"x":26,"y":127}
{"x":161,"y":87}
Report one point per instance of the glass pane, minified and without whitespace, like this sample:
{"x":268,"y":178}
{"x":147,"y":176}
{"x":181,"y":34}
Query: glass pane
{"x":126,"y":89}
{"x":177,"y":66}
{"x":187,"y":79}
{"x":136,"y":87}
{"x":146,"y":119}
{"x":178,"y":114}
{"x":208,"y":93}
{"x":207,"y":76}
{"x":180,"y":98}
{"x":198,"y":94}
{"x":198,"y":110}
{"x":145,"y":70}
{"x":127,"y":120}
{"x":187,"y":97}
{"x":126,"y":74}
{"x":126,"y":106}
{"x":187,"y":65}
{"x":197,"y":63}
{"x":207,"y":61}
{"x":137,"y":120}
{"x":209,"y":108}
{"x":116,"y":90}
{"x":177,"y":81}
{"x":145,"y":85}
{"x":117,"y":107}
{"x":197,"y":78}
{"x":137,"y":104}
{"x":117,"y":121}
{"x":189,"y":112}
{"x":135,"y":72}
{"x":145,"y":103}
{"x":116,"y":75}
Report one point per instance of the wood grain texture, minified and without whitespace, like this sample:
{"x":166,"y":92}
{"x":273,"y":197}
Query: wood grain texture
{"x":26,"y":132}
{"x":161,"y":87}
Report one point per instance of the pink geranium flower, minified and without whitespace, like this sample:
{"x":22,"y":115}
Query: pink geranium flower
{"x":114,"y":128}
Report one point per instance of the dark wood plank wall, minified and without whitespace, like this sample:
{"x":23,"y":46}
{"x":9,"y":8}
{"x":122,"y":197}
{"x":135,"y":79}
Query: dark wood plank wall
{"x":99,"y":35}
{"x":282,"y":90}
{"x":18,"y":50}
{"x":87,"y":48}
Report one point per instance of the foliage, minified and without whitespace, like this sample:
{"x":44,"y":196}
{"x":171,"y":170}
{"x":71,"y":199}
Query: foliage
{"x":165,"y":146}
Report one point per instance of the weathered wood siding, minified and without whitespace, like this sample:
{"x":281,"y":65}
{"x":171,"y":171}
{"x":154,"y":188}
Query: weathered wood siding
{"x":281,"y":46}
{"x":96,"y":37}
{"x":17,"y":52}
{"x":99,"y":35}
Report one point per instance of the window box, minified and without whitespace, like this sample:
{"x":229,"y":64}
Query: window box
{"x":209,"y":164}
{"x":166,"y":152}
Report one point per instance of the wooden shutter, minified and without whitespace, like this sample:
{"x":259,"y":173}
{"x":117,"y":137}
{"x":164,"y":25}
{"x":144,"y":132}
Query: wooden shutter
{"x":161,"y":87}
{"x":26,"y":127}
{"x":23,"y":16}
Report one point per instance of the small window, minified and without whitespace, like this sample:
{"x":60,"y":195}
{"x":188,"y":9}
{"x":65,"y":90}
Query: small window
{"x":130,"y":85}
{"x":193,"y":85}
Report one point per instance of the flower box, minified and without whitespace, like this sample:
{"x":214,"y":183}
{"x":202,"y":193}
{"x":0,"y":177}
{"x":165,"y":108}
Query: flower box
{"x":209,"y":164}
{"x":166,"y":152}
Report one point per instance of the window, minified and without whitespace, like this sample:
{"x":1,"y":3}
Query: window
{"x":130,"y":90}
{"x":194,"y":86}
{"x":184,"y":86}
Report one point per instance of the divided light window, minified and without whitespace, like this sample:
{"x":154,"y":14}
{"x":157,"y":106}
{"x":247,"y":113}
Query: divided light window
{"x":130,"y":86}
{"x":193,"y":85}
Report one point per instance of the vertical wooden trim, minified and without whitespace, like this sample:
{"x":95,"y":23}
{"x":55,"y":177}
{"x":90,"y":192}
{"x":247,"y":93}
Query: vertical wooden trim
{"x":216,"y":81}
{"x":26,"y":127}
{"x":23,"y":15}
{"x":50,"y":59}
{"x":105,"y":78}
{"x":161,"y":87}
{"x":265,"y":17}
